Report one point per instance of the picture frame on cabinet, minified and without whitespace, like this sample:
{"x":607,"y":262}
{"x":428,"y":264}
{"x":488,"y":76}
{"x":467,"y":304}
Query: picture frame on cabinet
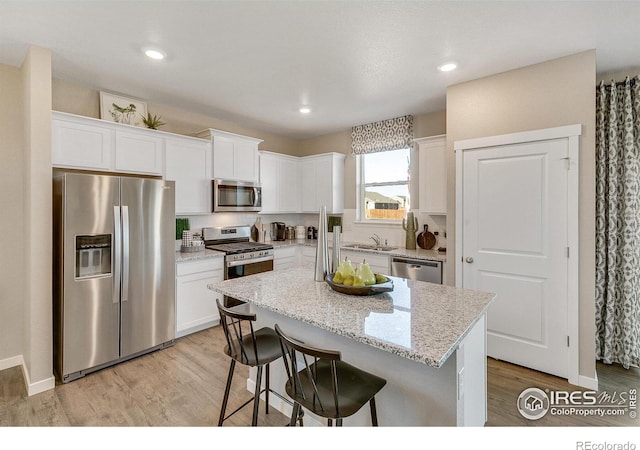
{"x":119,"y":109}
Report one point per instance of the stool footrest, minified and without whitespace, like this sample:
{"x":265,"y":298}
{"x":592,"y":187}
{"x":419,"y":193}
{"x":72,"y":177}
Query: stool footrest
{"x":253,"y":399}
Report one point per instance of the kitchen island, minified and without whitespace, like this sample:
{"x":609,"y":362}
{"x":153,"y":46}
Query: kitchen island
{"x":427,"y":340}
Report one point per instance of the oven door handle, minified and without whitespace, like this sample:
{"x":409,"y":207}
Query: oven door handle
{"x":246,"y":262}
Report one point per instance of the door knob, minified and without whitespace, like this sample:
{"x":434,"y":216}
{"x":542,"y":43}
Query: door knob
{"x":469,"y":259}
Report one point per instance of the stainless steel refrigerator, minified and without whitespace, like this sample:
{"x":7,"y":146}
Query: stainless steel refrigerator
{"x":114,"y":270}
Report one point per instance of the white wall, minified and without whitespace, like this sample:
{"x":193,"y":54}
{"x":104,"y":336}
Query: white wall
{"x":550,"y":94}
{"x":11,"y":219}
{"x":38,"y":339}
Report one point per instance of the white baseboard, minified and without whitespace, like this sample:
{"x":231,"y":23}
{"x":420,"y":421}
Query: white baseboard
{"x":588,"y":382}
{"x":32,"y":388}
{"x":284,"y":407}
{"x":11,"y":362}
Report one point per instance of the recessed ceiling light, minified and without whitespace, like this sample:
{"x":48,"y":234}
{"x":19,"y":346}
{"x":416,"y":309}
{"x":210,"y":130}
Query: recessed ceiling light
{"x":155,"y":54}
{"x":448,"y":67}
{"x":305,"y":110}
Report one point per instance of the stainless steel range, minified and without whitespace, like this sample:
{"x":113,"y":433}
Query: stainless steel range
{"x":242,"y":257}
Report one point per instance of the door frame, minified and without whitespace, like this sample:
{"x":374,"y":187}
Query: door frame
{"x":572,"y":134}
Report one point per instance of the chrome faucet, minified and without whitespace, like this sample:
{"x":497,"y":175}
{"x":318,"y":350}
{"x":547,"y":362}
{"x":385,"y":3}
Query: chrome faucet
{"x":376,"y":239}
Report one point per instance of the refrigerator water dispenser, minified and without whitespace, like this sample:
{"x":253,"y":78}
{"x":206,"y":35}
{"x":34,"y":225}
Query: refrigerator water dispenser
{"x":93,"y":256}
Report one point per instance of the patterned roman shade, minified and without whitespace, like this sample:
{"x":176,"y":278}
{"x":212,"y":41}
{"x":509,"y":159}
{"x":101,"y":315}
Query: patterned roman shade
{"x":392,"y":134}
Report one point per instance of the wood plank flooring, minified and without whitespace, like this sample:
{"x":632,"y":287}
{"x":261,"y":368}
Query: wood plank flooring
{"x":183,"y":386}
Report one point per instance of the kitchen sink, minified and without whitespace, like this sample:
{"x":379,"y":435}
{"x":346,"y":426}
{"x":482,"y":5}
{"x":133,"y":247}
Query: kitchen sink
{"x":381,"y":248}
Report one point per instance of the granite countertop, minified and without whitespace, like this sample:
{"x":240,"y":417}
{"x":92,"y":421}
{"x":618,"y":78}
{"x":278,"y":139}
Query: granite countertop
{"x":180,"y":256}
{"x":420,"y":321}
{"x":428,"y":255}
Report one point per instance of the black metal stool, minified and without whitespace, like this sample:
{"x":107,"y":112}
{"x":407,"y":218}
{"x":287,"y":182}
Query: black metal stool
{"x":250,"y":348}
{"x":328,"y":387}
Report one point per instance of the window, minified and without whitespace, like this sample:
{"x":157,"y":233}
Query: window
{"x":384,"y":185}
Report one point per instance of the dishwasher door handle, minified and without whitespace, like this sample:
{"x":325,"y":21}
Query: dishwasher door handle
{"x":415,"y":264}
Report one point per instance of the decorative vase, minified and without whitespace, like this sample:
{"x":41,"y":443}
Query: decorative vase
{"x":322,"y":250}
{"x":410,"y":226}
{"x":335,"y":251}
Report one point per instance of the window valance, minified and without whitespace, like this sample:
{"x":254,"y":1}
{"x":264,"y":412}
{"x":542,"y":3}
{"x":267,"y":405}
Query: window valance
{"x":391,"y":134}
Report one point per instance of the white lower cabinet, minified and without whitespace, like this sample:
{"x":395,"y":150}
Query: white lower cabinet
{"x":308,"y":255}
{"x":196,"y":304}
{"x":286,"y":257}
{"x":378,"y":263}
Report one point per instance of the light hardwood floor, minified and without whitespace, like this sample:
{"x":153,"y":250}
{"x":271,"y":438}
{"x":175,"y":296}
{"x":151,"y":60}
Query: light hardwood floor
{"x":183,"y":386}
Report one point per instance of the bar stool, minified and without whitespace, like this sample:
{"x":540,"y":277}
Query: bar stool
{"x":250,"y":348}
{"x":328,"y":387}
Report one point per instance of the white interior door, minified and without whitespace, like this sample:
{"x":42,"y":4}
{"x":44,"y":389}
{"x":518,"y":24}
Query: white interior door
{"x":514,"y":243}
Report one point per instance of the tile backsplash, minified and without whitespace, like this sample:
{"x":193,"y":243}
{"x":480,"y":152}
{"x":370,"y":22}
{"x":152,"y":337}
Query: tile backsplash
{"x":352,"y":231}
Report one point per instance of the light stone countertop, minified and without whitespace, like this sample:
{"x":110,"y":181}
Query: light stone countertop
{"x":424,"y":322}
{"x":184,"y":256}
{"x":419,"y":253}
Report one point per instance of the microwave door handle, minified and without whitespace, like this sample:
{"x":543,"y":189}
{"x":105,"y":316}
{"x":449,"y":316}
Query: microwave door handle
{"x":117,"y":253}
{"x":255,"y":196}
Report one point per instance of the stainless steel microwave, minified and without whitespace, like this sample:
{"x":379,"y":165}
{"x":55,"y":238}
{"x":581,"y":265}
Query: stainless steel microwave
{"x":230,"y":196}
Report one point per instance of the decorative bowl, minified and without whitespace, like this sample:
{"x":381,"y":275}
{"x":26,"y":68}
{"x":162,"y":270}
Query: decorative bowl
{"x":359,"y":290}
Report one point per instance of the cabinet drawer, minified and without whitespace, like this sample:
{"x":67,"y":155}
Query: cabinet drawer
{"x":189,"y":267}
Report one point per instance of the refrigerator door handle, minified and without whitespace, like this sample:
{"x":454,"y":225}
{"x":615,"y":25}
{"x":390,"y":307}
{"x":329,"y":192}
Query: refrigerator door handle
{"x":117,"y":253}
{"x":125,"y":253}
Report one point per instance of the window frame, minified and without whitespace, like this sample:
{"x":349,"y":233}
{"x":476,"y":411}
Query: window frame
{"x":361,"y":216}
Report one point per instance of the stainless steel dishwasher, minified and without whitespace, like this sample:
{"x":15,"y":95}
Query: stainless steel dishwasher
{"x":417,"y":269}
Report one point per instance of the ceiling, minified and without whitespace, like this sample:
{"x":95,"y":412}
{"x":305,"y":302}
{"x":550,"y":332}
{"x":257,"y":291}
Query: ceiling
{"x":351,"y":62}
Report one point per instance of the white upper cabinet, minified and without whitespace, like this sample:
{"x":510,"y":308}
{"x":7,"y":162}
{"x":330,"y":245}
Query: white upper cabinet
{"x":235,"y":157}
{"x":137,"y":152}
{"x":322,"y":182}
{"x":188,"y":162}
{"x":288,"y":180}
{"x":279,"y":180}
{"x":269,"y":182}
{"x":433,"y":174}
{"x":80,"y":144}
{"x":92,"y":144}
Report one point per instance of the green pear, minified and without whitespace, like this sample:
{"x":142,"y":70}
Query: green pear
{"x":337,"y":278}
{"x":345,"y":268}
{"x":367,"y":274}
{"x":381,"y":279}
{"x":357,"y":281}
{"x":348,"y":280}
